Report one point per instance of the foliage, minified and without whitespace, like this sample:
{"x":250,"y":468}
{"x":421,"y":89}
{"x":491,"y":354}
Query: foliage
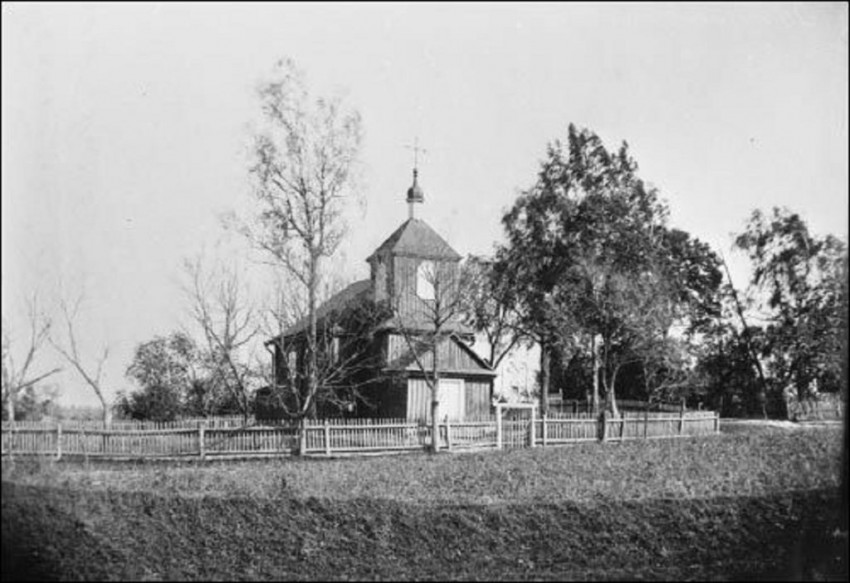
{"x":175,"y":377}
{"x":803,"y":278}
{"x":33,"y":403}
{"x":589,"y":255}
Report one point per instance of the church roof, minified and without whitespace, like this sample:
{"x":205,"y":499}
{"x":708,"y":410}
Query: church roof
{"x":416,"y":238}
{"x":354,"y":292}
{"x":454,"y":357}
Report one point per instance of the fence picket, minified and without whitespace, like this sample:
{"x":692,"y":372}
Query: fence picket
{"x":215,"y":438}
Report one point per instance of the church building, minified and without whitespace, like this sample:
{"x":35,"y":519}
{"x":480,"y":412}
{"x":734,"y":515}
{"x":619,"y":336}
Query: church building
{"x":412,"y":285}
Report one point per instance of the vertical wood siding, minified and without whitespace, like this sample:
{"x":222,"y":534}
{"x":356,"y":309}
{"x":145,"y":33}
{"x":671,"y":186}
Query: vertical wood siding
{"x":451,"y":356}
{"x":418,"y":400}
{"x":402,"y":275}
{"x":478,"y":395}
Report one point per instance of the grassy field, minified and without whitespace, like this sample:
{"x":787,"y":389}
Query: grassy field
{"x":760,"y":503}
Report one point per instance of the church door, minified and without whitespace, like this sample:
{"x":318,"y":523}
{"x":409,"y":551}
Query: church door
{"x":452,"y":399}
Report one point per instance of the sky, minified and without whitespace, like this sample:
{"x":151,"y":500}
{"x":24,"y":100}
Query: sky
{"x":126,"y":130}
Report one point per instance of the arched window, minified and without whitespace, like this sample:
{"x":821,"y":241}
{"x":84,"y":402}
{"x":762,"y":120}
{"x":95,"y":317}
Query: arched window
{"x":425,"y":280}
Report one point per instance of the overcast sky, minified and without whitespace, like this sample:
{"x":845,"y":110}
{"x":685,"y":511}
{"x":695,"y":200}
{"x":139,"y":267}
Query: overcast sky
{"x":125,"y":127}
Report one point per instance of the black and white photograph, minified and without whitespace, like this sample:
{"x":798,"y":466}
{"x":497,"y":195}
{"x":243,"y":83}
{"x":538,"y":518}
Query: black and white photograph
{"x":489,"y":291}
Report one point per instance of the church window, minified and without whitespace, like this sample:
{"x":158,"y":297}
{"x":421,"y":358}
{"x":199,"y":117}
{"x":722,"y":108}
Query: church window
{"x":425,"y":280}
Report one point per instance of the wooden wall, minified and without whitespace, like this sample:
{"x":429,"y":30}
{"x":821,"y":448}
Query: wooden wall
{"x":478,"y":392}
{"x":451,"y":356}
{"x":402,"y":275}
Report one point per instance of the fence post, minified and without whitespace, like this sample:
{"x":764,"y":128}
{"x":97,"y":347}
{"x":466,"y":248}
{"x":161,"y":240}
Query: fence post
{"x":532,"y":434}
{"x":202,"y":450}
{"x":302,"y":442}
{"x":58,"y":441}
{"x":717,"y":422}
{"x":682,"y":419}
{"x":327,"y":438}
{"x":499,"y":426}
{"x":646,"y":421}
{"x":448,"y":434}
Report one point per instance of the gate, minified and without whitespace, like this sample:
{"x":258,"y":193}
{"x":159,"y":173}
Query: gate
{"x":515,"y":425}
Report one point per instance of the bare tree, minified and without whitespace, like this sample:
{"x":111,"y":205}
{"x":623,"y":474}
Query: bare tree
{"x":17,"y":378}
{"x":69,"y":350}
{"x":304,"y":162}
{"x":429,"y":321}
{"x":219,"y":305}
{"x":346,"y":360}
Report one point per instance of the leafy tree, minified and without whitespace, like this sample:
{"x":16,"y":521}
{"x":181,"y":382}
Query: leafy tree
{"x":590,"y":261}
{"x":305,"y":159}
{"x":166,"y":369}
{"x":802,"y":278}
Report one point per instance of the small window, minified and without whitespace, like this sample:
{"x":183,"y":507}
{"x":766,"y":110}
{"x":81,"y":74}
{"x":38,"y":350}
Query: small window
{"x":425,"y":280}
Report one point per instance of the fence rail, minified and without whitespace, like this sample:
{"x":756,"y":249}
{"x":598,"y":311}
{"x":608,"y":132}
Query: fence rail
{"x":344,"y":436}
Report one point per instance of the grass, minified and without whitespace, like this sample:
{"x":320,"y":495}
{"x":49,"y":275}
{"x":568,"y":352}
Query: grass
{"x":738,"y":505}
{"x":748,"y":464}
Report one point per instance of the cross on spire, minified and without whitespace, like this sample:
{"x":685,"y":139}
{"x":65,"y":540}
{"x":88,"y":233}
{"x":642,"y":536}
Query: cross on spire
{"x":416,"y":149}
{"x":414,"y":193}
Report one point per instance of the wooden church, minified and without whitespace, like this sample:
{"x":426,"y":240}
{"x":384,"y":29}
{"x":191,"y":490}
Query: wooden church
{"x":414,"y":274}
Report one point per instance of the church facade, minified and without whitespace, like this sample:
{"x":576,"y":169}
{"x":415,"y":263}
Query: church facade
{"x":413,"y":276}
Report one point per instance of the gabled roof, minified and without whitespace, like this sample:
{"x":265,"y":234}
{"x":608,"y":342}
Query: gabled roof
{"x":354,"y":292}
{"x":466,"y":361}
{"x":415,"y":238}
{"x":417,"y":322}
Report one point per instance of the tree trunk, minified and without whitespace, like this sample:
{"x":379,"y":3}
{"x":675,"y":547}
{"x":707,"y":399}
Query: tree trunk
{"x":594,"y":349}
{"x":762,"y":396}
{"x":435,"y":398}
{"x":313,"y":343}
{"x":10,"y":407}
{"x":107,"y":414}
{"x":612,"y":395}
{"x":544,"y":378}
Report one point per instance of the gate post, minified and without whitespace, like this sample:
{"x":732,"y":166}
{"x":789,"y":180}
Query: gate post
{"x":202,"y":450}
{"x":532,"y":434}
{"x":58,"y":441}
{"x":448,"y":434}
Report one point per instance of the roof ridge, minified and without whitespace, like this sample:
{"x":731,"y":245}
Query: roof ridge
{"x":416,"y":237}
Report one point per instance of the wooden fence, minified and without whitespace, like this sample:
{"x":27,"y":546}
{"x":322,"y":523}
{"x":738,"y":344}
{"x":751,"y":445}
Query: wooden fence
{"x":347,"y":436}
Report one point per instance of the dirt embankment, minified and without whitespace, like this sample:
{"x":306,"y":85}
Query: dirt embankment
{"x":51,"y":533}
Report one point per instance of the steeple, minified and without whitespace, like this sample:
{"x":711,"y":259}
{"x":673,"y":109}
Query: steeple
{"x":414,"y":194}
